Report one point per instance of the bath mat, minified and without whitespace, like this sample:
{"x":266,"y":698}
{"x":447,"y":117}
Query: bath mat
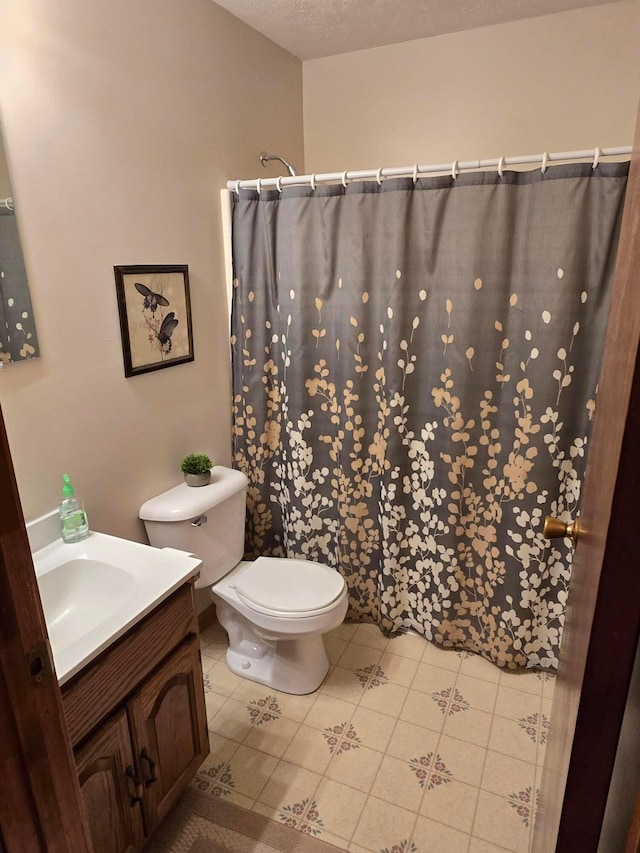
{"x":201,"y":823}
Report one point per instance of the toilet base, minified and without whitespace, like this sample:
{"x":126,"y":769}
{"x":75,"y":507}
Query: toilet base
{"x":296,"y":665}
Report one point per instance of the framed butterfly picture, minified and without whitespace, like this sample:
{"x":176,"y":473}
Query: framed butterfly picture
{"x":155,"y":316}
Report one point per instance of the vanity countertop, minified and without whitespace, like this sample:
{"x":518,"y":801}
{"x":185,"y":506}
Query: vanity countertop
{"x":94,"y":591}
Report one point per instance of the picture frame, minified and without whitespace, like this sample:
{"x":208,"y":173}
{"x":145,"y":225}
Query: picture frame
{"x":154,"y":307}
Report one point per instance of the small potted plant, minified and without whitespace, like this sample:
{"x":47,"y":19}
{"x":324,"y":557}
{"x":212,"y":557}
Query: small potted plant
{"x":196,"y":468}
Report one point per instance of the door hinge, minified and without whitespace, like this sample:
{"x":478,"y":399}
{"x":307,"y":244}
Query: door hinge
{"x":40,"y":662}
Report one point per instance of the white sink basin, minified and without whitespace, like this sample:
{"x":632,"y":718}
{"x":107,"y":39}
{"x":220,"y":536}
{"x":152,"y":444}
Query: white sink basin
{"x":80,"y":594}
{"x":93,"y":591}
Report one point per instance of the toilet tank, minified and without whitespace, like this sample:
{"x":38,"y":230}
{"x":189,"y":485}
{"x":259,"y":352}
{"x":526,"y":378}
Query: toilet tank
{"x":206,"y":520}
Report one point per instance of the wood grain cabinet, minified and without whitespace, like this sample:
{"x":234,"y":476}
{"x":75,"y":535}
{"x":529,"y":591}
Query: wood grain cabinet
{"x":137,"y":721}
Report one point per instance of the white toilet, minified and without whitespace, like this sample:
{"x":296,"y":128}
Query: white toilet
{"x":274,"y":610}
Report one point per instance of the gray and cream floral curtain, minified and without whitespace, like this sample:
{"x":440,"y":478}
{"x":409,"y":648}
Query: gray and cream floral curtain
{"x":18,"y":339}
{"x":414,"y":374}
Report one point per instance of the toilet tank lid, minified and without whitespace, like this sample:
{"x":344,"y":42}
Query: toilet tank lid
{"x":183,"y":502}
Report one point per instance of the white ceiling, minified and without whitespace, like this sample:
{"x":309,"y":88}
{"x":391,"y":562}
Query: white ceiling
{"x":313,"y":28}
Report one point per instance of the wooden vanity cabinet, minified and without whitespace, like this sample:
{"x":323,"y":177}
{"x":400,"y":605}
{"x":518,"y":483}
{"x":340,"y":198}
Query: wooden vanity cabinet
{"x":137,"y":721}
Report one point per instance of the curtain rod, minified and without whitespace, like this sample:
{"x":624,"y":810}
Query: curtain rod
{"x":7,"y":202}
{"x":417,"y":171}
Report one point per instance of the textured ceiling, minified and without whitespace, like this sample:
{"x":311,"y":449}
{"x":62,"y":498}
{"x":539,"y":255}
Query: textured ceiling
{"x":314,"y":28}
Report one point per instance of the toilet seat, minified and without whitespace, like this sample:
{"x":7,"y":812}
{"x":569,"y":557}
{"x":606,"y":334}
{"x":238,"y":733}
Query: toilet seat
{"x":289,"y":588}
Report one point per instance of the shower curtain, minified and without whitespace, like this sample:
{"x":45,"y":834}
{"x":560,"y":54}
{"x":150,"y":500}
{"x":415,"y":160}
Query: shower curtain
{"x":414,"y":377}
{"x":18,"y":339}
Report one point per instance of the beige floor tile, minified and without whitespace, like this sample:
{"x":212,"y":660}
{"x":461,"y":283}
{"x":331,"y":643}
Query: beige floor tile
{"x":296,"y":707}
{"x":370,"y":635}
{"x":308,"y":749}
{"x":479,"y":846}
{"x":373,"y":728}
{"x":213,"y":701}
{"x":355,"y":848}
{"x":216,"y":645}
{"x":477,"y":667}
{"x":356,"y":656}
{"x":479,"y":694}
{"x":545,"y":707}
{"x":397,"y":783}
{"x":355,"y":767}
{"x":498,"y":822}
{"x":383,"y":825}
{"x":452,"y":803}
{"x":523,"y":680}
{"x":464,"y":760}
{"x":220,"y":749}
{"x":471,"y":725}
{"x":343,"y":684}
{"x":273,"y":737}
{"x":386,"y":698}
{"x":344,"y":631}
{"x":433,"y":679}
{"x":231,"y":721}
{"x":251,"y":770}
{"x":407,"y":646}
{"x":505,"y":775}
{"x":420,"y":708}
{"x":398,"y":669}
{"x":410,"y":741}
{"x":334,"y":647}
{"x":339,"y":807}
{"x":510,"y":738}
{"x":300,"y":814}
{"x":222,"y":679}
{"x":288,"y":783}
{"x":432,"y":837}
{"x":327,"y":710}
{"x":516,"y":704}
{"x":443,"y":658}
{"x":548,"y":685}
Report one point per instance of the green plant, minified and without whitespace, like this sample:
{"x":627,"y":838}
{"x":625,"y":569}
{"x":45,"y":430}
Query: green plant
{"x":196,"y":463}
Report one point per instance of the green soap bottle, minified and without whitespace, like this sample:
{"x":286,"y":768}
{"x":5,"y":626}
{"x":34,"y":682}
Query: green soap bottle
{"x":73,"y":519}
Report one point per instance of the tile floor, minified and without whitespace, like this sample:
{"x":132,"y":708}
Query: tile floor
{"x":405,"y":748}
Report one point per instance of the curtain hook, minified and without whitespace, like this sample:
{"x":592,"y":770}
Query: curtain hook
{"x":545,"y":159}
{"x":279,"y":183}
{"x":237,"y":188}
{"x":501,"y":166}
{"x":596,"y":158}
{"x":379,"y":176}
{"x":415,"y":173}
{"x":312,"y":182}
{"x":454,"y":170}
{"x":344,"y":178}
{"x":259,"y":185}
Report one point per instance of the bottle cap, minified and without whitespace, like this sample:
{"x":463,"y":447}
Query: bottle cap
{"x":67,"y":488}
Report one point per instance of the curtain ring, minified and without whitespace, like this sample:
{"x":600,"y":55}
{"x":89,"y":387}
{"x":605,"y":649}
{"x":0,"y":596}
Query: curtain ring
{"x":279,"y":183}
{"x":379,"y":176}
{"x":312,"y":182}
{"x":259,"y":185}
{"x":501,"y":166}
{"x":236,"y":189}
{"x":545,"y":159}
{"x":454,"y":170}
{"x":596,"y":158}
{"x":344,"y":178}
{"x":415,"y":173}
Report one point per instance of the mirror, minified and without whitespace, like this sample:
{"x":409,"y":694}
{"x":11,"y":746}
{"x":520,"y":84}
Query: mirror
{"x":18,"y":339}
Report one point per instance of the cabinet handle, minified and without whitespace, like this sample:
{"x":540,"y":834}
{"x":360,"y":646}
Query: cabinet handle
{"x":144,"y":755}
{"x":136,"y":797}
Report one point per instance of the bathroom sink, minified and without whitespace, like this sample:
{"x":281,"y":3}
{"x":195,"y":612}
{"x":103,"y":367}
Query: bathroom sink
{"x":80,"y":594}
{"x":93,"y":591}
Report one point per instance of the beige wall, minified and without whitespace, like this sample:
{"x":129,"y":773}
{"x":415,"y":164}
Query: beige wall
{"x":555,"y":83}
{"x":123,"y":120}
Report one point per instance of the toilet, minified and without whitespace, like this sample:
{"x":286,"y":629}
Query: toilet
{"x":275,"y":610}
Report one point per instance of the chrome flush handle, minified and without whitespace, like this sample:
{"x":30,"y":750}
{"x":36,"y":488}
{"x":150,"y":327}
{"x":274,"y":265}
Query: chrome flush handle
{"x":199,"y":521}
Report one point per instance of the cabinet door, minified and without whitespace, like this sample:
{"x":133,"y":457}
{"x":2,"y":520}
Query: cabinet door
{"x":169,"y":727}
{"x":110,"y":789}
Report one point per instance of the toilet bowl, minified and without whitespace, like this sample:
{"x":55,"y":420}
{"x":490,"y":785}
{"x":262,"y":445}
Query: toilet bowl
{"x":275,"y":610}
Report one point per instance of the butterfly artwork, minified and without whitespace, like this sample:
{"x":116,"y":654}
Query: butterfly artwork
{"x":151,"y":299}
{"x":164,"y":333}
{"x":155,"y":316}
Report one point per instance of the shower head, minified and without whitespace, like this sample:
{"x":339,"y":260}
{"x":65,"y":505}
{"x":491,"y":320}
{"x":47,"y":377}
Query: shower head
{"x":264,"y":159}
